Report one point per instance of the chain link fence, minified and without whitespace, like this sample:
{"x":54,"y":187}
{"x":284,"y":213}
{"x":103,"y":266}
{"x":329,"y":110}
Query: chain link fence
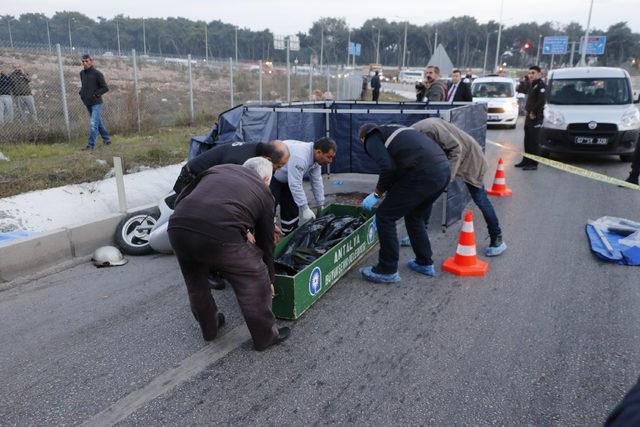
{"x":147,"y":92}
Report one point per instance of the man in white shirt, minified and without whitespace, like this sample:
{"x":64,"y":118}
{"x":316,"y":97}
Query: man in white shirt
{"x":306,"y":159}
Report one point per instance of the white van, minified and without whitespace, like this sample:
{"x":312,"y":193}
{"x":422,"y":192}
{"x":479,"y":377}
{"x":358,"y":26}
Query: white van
{"x":590,"y":110}
{"x":411,"y":76}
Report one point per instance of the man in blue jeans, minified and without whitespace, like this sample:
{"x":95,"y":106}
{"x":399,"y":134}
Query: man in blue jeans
{"x":467,"y":163}
{"x":93,"y":87}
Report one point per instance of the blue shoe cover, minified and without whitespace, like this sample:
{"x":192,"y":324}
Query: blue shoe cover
{"x":495,"y":251}
{"x":370,"y":275}
{"x":405,"y":242}
{"x":427,"y":270}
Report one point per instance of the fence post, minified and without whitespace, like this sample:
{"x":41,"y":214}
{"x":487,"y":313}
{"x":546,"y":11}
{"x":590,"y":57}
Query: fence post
{"x":122,"y":198}
{"x":135,"y":85}
{"x":231,"y":79}
{"x":260,"y":83}
{"x":63,"y":93}
{"x":190,"y":89}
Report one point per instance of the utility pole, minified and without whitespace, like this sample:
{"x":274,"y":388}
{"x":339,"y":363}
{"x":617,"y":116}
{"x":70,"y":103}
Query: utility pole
{"x":404,"y":47}
{"x":206,"y":44}
{"x":321,"y":47}
{"x":10,"y":36}
{"x":499,"y":35}
{"x":538,"y":54}
{"x":348,"y":45}
{"x":435,"y":43}
{"x":144,"y":39}
{"x":573,"y":48}
{"x":583,"y":59}
{"x":486,"y":51}
{"x":118,"y":36}
{"x":378,"y":48}
{"x":236,"y":44}
{"x":69,"y":28}
{"x":48,"y":34}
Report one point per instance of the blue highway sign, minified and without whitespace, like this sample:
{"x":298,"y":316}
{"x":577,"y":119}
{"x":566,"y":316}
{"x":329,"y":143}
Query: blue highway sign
{"x":556,"y":45}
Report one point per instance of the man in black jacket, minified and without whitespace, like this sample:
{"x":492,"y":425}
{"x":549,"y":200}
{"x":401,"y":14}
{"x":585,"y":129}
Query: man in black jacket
{"x":235,"y":153}
{"x":93,"y":87}
{"x":6,"y":103}
{"x":414,"y":171}
{"x":375,"y":87}
{"x":534,"y":109}
{"x":21,"y":89}
{"x":210,"y":229}
{"x":459,"y":91}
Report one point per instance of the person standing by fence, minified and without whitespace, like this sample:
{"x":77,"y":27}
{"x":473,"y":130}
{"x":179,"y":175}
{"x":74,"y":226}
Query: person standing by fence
{"x":6,"y":103}
{"x":22,"y":91}
{"x":93,"y":87}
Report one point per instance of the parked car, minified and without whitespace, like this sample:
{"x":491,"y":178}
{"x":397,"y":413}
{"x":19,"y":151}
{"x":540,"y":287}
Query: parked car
{"x":590,"y":110}
{"x":499,"y":93}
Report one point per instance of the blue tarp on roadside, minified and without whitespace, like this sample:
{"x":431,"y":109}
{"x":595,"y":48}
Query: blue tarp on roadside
{"x":622,"y":254}
{"x":13,"y":235}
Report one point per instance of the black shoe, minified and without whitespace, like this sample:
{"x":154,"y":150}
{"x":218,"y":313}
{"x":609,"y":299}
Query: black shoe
{"x":283,"y":334}
{"x":632,"y":180}
{"x":523,"y":162}
{"x":108,"y":142}
{"x":216,"y":282}
{"x":88,"y":148}
{"x":530,"y":167}
{"x":221,"y":320}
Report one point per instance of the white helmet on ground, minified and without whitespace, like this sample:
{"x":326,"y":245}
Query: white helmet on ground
{"x":108,"y":256}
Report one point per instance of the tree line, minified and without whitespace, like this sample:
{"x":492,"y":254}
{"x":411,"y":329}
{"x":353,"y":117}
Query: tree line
{"x":463,"y":37}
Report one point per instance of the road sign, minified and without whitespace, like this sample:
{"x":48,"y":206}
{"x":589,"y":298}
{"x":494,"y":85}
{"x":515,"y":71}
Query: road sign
{"x":556,"y":45}
{"x":355,"y":48}
{"x":595,"y":45}
{"x":280,"y":42}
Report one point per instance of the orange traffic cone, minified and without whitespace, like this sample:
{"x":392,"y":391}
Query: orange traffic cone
{"x":465,"y":262}
{"x":499,"y":187}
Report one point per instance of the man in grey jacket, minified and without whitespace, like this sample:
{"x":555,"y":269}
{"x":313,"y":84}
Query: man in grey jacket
{"x":469,"y":164}
{"x":306,"y":159}
{"x":432,"y":89}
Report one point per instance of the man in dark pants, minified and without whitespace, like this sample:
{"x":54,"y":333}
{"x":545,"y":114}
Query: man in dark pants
{"x":467,"y":163}
{"x":534,"y":110}
{"x":93,"y":87}
{"x":634,"y":173}
{"x":627,"y":413}
{"x":235,"y":153}
{"x":210,"y":228}
{"x":414,"y":171}
{"x":375,"y":87}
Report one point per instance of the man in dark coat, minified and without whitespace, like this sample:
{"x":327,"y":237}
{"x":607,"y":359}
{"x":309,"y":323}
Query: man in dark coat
{"x":534,"y":110}
{"x":459,"y":91}
{"x":414,"y":171}
{"x":93,"y":87}
{"x":216,"y":219}
{"x":375,"y":87}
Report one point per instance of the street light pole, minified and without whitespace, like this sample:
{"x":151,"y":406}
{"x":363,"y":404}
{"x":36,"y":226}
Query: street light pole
{"x":206,"y":43}
{"x":321,"y":47}
{"x":404,"y":47}
{"x":499,"y":35}
{"x":48,"y":34}
{"x":538,"y":53}
{"x":236,"y":44}
{"x":583,"y":58}
{"x":348,"y":45}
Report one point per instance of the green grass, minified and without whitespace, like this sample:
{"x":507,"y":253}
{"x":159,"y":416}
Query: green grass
{"x":40,"y":166}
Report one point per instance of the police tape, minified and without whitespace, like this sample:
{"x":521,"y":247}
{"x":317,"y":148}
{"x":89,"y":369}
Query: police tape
{"x":571,"y":169}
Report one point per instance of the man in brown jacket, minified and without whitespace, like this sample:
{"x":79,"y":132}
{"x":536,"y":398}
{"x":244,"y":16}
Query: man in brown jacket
{"x":467,"y":163}
{"x":224,"y":221}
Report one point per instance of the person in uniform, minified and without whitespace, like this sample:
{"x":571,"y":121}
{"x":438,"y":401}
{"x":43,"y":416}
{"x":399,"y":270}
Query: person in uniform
{"x":469,"y":164}
{"x":414,"y":171}
{"x":216,"y":219}
{"x":306,"y":159}
{"x":534,"y":110}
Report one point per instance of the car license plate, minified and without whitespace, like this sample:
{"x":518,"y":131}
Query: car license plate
{"x":493,"y":117}
{"x":587,"y":140}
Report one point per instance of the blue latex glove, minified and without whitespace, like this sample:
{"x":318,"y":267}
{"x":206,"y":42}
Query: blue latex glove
{"x":370,"y":202}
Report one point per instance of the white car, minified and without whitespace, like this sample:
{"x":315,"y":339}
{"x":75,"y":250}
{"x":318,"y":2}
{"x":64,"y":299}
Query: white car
{"x":499,"y":93}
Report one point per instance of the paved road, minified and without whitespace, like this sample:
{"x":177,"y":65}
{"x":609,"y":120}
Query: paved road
{"x":550,"y":336}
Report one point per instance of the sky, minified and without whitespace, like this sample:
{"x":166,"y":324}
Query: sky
{"x":289,"y":16}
